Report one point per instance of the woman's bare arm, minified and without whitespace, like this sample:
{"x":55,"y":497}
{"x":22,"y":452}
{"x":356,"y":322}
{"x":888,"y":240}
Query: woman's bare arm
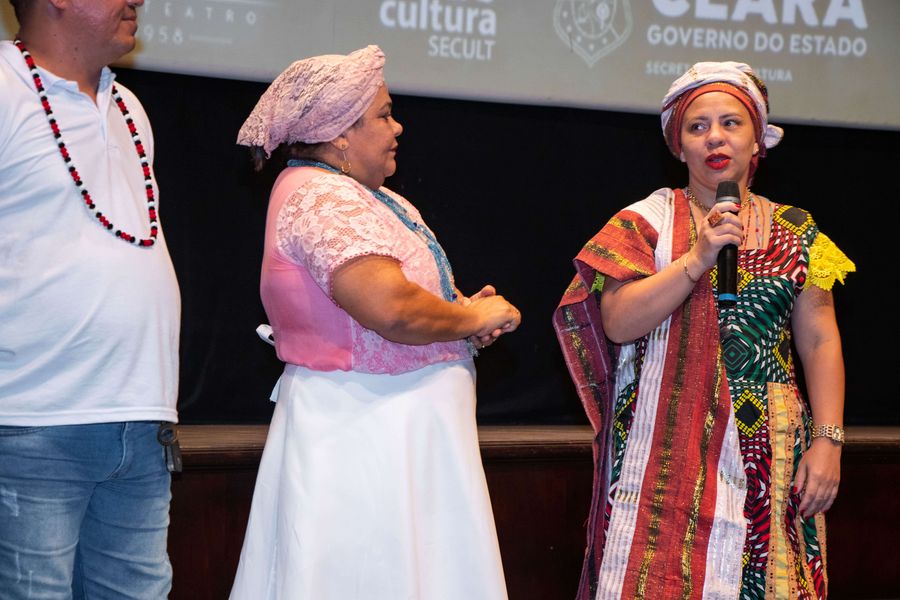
{"x":375,"y":292}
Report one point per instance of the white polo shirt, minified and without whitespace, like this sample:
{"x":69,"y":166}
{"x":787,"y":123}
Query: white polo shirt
{"x":89,"y":324}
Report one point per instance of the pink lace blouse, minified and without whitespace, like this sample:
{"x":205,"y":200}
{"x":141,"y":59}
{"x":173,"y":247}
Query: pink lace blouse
{"x":316,"y":222}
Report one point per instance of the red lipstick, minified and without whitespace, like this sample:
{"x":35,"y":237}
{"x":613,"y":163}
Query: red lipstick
{"x":717,"y":161}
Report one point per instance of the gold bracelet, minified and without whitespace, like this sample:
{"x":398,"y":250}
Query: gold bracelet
{"x":833,"y":432}
{"x":684,"y":266}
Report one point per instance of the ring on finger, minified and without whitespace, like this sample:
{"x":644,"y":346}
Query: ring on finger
{"x":714,"y":218}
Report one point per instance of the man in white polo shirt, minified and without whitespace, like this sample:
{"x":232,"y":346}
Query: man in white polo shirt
{"x":89,"y":314}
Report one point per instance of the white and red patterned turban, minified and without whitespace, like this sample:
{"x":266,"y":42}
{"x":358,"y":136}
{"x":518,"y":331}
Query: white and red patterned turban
{"x":734,"y":78}
{"x":315,"y":99}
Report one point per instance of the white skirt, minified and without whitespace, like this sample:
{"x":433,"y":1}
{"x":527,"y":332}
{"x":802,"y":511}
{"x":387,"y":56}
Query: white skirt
{"x":371,"y":487}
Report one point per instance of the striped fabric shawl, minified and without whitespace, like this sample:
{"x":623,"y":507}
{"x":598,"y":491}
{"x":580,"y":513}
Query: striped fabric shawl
{"x":674,"y":527}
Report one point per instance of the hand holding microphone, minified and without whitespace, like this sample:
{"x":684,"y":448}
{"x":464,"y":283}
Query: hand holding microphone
{"x":728,"y":191}
{"x":719,"y":234}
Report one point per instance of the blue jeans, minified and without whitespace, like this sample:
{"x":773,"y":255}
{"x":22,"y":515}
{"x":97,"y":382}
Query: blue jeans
{"x":84,"y":512}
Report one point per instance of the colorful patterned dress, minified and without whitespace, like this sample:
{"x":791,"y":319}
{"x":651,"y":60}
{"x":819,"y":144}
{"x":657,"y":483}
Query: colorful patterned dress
{"x":700,"y":424}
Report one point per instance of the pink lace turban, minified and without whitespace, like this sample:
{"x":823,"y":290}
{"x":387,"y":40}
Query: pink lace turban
{"x":734,"y":78}
{"x":314,"y":100}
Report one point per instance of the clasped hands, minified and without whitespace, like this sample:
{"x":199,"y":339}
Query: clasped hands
{"x":499,"y":315}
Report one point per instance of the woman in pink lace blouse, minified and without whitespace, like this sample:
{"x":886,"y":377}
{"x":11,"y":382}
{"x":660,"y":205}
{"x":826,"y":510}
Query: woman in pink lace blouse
{"x":371,"y":484}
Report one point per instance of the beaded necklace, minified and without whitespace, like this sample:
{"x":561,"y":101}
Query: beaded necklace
{"x":757,"y":209}
{"x":79,"y":184}
{"x":440,"y":257}
{"x":754,"y":208}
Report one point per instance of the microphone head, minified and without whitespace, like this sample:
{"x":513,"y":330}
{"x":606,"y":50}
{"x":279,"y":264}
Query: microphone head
{"x":728,"y":189}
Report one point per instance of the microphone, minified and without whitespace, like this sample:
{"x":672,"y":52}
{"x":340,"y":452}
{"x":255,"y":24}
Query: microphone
{"x":727,"y":260}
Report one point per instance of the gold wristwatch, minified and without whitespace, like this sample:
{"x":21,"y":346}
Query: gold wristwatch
{"x":833,"y":432}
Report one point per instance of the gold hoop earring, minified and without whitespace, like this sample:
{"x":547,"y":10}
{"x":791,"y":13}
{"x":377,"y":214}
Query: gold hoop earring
{"x":345,"y":170}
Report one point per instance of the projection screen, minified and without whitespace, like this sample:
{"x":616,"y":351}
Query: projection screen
{"x":832,"y":62}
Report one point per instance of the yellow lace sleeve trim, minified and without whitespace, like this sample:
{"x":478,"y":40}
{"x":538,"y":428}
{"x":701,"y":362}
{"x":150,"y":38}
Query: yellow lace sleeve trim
{"x":827,"y":263}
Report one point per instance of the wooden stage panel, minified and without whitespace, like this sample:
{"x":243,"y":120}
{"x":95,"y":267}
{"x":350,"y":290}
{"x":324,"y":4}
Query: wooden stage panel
{"x":540,"y":512}
{"x":540,"y":483}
